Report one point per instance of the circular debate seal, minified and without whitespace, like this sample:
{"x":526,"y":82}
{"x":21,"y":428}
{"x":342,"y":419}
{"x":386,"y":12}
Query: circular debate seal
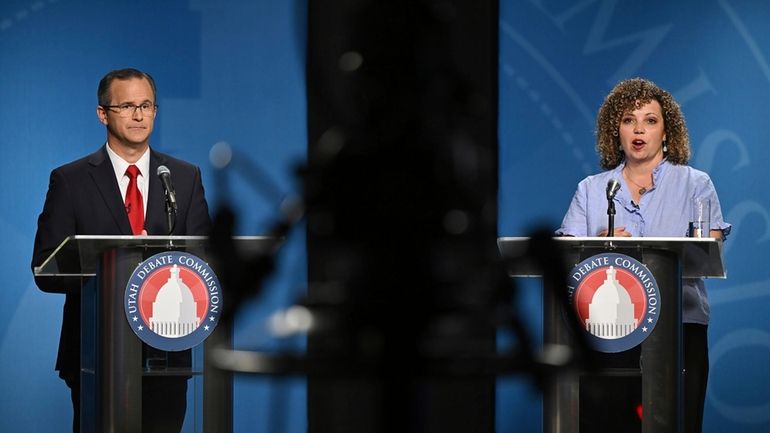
{"x":173,"y":301}
{"x":616,"y":299}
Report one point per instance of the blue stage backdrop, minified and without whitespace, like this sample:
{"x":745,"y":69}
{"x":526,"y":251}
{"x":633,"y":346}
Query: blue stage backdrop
{"x":558,"y":59}
{"x":227,"y":71}
{"x":233,"y":71}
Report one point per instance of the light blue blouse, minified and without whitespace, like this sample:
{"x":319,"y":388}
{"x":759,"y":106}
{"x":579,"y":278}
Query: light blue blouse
{"x":663,"y":211}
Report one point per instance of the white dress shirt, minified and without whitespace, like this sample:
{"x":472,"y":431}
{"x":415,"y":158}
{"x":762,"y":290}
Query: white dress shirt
{"x":120,"y":166}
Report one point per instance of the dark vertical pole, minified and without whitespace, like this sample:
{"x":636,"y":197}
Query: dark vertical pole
{"x":217,"y":383}
{"x":116,"y":379}
{"x":401,"y":190}
{"x":561,"y":395}
{"x":662,"y":351}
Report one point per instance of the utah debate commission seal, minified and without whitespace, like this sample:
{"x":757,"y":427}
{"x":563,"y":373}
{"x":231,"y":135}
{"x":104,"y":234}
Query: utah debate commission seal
{"x":173,"y":301}
{"x":616,"y":299}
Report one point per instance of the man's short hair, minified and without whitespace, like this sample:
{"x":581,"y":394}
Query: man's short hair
{"x":103,"y":93}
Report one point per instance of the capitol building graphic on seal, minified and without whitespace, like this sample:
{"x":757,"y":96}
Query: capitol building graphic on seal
{"x":611,"y":312}
{"x":174,"y":309}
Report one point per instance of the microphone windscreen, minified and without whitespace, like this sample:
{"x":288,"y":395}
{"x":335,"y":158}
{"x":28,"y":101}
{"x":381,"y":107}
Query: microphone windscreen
{"x":162,"y":169}
{"x":612,"y":188}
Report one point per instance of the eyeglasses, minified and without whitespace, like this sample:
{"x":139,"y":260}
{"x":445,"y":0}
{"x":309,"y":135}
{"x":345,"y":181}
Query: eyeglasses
{"x":128,"y":110}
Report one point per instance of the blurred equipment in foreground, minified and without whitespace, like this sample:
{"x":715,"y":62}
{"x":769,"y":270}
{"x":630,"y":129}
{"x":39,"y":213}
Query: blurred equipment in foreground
{"x":406,"y":288}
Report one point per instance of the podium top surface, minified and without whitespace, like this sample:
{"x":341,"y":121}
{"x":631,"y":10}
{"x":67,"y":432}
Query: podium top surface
{"x":78,"y":255}
{"x":699,"y":257}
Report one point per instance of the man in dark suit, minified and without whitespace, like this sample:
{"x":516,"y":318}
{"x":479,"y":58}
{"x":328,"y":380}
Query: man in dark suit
{"x":92,"y":196}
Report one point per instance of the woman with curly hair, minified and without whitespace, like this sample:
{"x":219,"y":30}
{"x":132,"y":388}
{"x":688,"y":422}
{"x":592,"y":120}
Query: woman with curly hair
{"x":642,"y":143}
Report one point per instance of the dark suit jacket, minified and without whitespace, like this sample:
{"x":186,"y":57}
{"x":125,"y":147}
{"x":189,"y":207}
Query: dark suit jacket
{"x":84,"y":199}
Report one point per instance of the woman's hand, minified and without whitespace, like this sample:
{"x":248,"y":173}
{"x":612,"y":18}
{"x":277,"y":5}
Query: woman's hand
{"x":618,"y":232}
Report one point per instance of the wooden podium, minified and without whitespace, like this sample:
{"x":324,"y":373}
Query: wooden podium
{"x":669,"y":260}
{"x":111,"y":355}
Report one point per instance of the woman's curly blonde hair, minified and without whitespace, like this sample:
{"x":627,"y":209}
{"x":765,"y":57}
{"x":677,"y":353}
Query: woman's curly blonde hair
{"x":629,"y":95}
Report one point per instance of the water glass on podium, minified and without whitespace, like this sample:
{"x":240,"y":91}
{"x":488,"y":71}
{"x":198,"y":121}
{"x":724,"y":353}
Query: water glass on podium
{"x":700,"y":219}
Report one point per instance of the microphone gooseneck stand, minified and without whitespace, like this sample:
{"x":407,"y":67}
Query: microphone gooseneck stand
{"x":611,"y":217}
{"x":170,"y":215}
{"x":612,"y":188}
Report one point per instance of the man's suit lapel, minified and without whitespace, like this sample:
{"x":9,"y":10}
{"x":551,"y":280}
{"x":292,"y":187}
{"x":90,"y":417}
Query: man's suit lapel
{"x":156,"y":201}
{"x":103,"y":176}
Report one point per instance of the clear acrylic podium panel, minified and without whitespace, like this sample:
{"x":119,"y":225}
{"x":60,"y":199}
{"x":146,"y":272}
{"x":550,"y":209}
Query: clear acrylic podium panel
{"x":699,"y":257}
{"x":78,"y":256}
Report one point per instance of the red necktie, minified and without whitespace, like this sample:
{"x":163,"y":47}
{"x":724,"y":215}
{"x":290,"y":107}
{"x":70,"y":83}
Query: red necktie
{"x":134,"y":202}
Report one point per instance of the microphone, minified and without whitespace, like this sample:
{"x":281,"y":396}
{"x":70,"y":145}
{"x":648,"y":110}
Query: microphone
{"x":612,"y":188}
{"x":165,"y":178}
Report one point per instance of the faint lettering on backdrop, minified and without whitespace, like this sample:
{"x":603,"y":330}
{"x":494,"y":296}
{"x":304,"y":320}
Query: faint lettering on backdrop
{"x":558,"y":60}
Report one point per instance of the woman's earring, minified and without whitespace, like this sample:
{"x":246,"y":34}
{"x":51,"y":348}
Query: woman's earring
{"x":665,"y":147}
